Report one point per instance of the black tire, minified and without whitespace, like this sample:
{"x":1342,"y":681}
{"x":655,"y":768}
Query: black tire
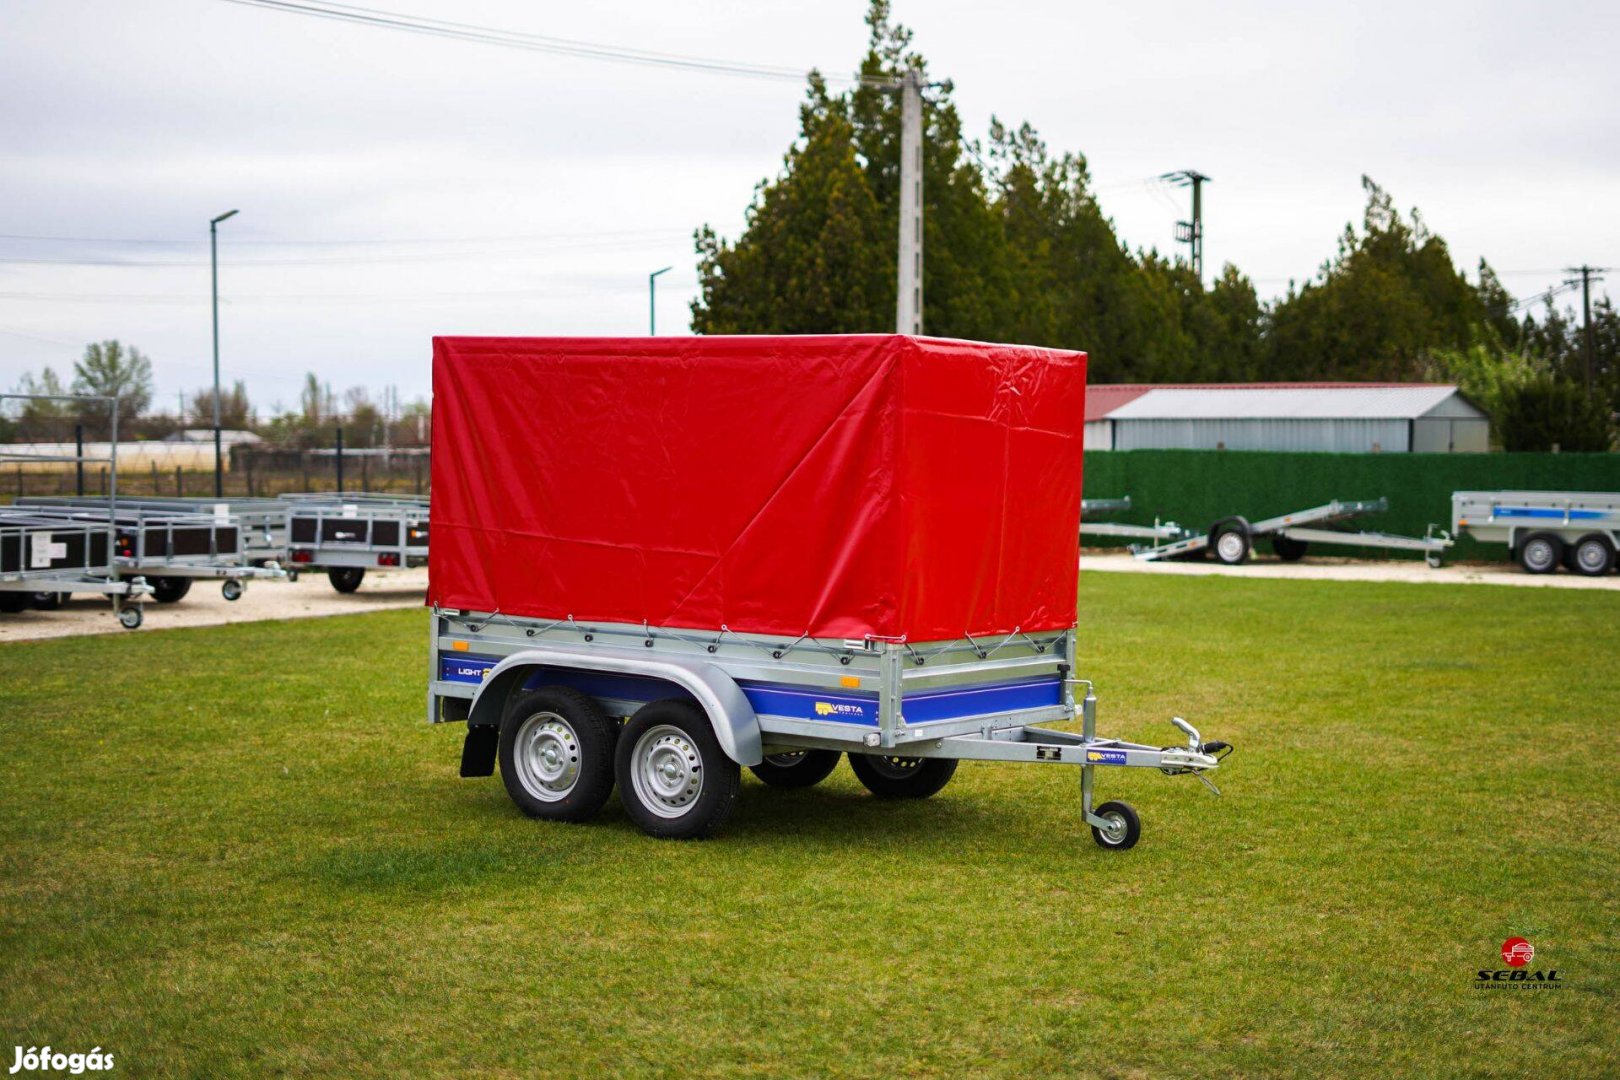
{"x":1287,"y":548}
{"x":50,"y":601}
{"x":346,"y":579}
{"x":169,"y":590}
{"x":1230,"y":544}
{"x":889,"y":776}
{"x":1591,"y":555}
{"x":797,"y":769}
{"x":1541,"y":553}
{"x":579,"y":780}
{"x":1128,"y":827}
{"x":695,"y":796}
{"x":13,"y":602}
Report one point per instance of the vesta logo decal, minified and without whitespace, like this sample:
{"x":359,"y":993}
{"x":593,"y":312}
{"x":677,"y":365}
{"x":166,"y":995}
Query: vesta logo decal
{"x":830,"y":708}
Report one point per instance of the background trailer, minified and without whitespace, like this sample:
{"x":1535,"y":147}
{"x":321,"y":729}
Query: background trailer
{"x":763,"y":552}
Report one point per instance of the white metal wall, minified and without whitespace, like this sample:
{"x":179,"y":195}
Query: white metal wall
{"x":1099,"y":435}
{"x":1341,"y":436}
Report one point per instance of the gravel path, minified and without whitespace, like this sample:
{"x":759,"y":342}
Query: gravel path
{"x":1329,"y":569}
{"x":310,"y":596}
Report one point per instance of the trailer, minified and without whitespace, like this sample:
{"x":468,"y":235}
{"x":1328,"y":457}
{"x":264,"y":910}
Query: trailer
{"x":1580,"y":529}
{"x":1232,"y":539}
{"x":46,"y":558}
{"x":1158,"y":531}
{"x":349,"y":533}
{"x":772,"y":554}
{"x":169,"y":542}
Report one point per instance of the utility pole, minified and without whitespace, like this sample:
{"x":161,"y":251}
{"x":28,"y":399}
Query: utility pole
{"x":652,"y":300}
{"x":909,"y":299}
{"x":1191,"y":232}
{"x":213,"y":263}
{"x":1588,"y":274}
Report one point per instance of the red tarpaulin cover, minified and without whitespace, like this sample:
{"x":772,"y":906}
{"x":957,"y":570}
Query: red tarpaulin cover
{"x":836,"y":486}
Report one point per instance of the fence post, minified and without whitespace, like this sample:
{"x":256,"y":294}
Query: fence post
{"x":155,"y":490}
{"x":365,"y":473}
{"x":247,"y":463}
{"x":78,"y":446}
{"x":179,"y":484}
{"x":416,"y":464}
{"x":340,"y":458}
{"x":303,"y":464}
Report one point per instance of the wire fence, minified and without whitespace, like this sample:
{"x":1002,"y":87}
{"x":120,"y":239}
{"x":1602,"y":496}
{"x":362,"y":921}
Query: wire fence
{"x":62,"y":455}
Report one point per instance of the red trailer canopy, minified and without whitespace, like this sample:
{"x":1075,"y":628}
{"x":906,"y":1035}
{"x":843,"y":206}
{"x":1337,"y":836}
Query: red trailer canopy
{"x":837,"y":486}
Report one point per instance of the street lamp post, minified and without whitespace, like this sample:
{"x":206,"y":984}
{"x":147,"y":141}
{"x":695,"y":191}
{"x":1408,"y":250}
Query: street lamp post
{"x":213,"y":261}
{"x":652,"y":300}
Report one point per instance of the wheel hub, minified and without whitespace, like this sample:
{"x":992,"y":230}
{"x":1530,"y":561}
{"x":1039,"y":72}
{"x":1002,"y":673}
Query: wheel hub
{"x":1115,"y":829}
{"x":667,"y":771}
{"x":1590,"y":556}
{"x":547,"y":756}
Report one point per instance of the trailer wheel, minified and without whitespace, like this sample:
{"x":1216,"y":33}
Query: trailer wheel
{"x":1287,"y":548}
{"x":674,"y":780}
{"x":1541,"y":553}
{"x":1434,"y":559}
{"x":1230,"y":545}
{"x":1124,"y":826}
{"x":169,"y":590}
{"x":130,"y":617}
{"x":346,"y":579}
{"x":1592,"y":555}
{"x":797,"y":768}
{"x":891,"y":777}
{"x":50,"y":601}
{"x":232,"y":589}
{"x":556,"y":753}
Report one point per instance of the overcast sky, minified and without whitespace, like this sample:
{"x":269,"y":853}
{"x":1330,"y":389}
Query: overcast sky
{"x":393,"y":187}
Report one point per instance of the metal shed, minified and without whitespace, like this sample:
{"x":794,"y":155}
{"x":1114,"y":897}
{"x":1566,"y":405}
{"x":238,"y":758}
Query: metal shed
{"x":1328,"y":417}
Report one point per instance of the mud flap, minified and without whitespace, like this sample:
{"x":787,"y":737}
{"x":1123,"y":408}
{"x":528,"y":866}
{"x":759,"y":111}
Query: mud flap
{"x":478,"y":751}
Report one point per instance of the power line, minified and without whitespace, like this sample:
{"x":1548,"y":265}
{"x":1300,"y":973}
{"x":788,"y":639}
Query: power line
{"x":587,"y":50}
{"x":401,"y":241}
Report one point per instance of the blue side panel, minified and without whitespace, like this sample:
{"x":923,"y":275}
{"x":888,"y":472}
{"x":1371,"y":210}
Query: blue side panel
{"x":772,"y":700}
{"x":957,"y":702}
{"x":1540,"y":512}
{"x":921,"y":707}
{"x":465,"y":668}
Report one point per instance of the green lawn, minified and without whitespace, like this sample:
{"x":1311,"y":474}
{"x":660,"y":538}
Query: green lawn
{"x":239,"y":851}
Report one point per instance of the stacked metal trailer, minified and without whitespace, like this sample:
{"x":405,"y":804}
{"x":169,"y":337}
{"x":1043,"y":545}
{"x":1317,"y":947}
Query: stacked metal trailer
{"x":349,"y":533}
{"x":45,"y":557}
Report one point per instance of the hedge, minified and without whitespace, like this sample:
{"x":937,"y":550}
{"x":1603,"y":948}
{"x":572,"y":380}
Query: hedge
{"x":1197,"y":487}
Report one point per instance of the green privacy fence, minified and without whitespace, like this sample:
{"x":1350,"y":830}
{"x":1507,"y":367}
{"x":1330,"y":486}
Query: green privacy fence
{"x":1196,"y":487}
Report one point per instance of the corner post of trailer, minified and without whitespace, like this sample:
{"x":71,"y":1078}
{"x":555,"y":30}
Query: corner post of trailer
{"x":889,"y":716}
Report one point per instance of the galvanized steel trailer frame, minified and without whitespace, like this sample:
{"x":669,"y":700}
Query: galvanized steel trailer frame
{"x":1580,"y":529}
{"x":1232,"y":539}
{"x":170,"y":548}
{"x":1166,"y":530}
{"x":356,"y":531}
{"x":263,"y":520}
{"x":53,"y":569}
{"x":766,"y":696}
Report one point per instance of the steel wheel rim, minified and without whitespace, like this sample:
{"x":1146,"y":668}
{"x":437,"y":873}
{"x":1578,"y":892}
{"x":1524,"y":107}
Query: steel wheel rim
{"x":1539,"y":554}
{"x":546,"y":755}
{"x":666,"y":770}
{"x":1230,"y":546}
{"x":1114,"y":832}
{"x":1591,"y":555}
{"x":894,"y":768}
{"x":786,"y":760}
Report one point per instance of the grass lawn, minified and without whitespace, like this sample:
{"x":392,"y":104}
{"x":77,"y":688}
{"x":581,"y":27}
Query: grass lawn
{"x":239,"y":851}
